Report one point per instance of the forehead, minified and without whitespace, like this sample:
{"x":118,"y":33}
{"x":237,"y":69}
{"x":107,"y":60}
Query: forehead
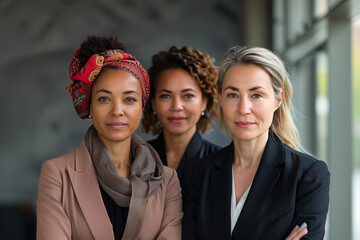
{"x":176,"y":79}
{"x":247,"y":76}
{"x":117,"y":79}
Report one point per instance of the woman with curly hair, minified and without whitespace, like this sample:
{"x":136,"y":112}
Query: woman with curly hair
{"x":182,"y":102}
{"x":113,"y":185}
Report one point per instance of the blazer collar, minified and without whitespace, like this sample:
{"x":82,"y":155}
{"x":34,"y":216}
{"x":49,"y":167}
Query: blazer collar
{"x":191,"y":151}
{"x":86,"y":187}
{"x":269,"y":170}
{"x":224,"y":157}
{"x":159,"y":145}
{"x":194,"y":146}
{"x":221,"y":183}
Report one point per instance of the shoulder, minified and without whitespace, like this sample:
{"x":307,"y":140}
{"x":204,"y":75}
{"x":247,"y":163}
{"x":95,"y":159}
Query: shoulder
{"x":219,"y":159}
{"x":219,"y":155}
{"x":54,"y":174}
{"x":205,"y":145}
{"x":210,"y":147}
{"x":305,"y":158}
{"x":70,"y":159}
{"x":152,"y":142}
{"x":59,"y":163}
{"x":156,"y":141}
{"x":305,"y":163}
{"x":171,"y":183}
{"x":169,"y":174}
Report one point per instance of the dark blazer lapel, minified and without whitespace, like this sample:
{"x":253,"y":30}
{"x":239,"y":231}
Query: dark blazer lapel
{"x":265,"y":178}
{"x":194,"y":147}
{"x":87,"y":191}
{"x":159,"y":145}
{"x":189,"y":158}
{"x":221,"y":191}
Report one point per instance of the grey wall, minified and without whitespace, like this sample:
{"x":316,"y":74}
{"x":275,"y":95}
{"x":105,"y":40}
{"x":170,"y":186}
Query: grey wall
{"x":37,"y":42}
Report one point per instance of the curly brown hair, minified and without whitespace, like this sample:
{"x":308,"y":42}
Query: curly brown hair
{"x":199,"y":65}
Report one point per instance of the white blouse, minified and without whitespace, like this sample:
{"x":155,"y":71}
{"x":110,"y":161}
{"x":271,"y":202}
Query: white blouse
{"x":236,"y":208}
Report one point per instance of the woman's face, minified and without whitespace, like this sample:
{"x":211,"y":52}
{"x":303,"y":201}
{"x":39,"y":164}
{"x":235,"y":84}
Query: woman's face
{"x":178,"y":101}
{"x":248,"y":101}
{"x":116,"y":105}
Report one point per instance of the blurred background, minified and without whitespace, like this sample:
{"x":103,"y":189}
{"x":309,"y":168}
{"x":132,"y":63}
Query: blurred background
{"x":318,"y":39}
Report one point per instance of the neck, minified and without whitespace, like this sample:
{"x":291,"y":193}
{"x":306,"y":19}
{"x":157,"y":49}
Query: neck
{"x":176,"y":145}
{"x":248,"y":153}
{"x":120,"y":154}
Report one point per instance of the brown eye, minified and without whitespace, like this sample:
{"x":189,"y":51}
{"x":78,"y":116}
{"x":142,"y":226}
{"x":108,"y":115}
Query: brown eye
{"x":164,"y":96}
{"x":232,"y":95}
{"x":130,"y":100}
{"x":256,"y":95}
{"x":103,"y":99}
{"x":189,"y":96}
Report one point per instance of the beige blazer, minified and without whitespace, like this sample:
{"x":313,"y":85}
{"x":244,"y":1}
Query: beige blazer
{"x":70,"y":205}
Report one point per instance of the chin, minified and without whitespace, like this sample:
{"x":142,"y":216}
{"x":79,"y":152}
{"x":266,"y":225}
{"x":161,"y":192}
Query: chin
{"x":118,"y":137}
{"x":244,"y":136}
{"x":175,"y":130}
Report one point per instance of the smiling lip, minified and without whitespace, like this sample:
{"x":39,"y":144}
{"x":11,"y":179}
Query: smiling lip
{"x":176,"y":119}
{"x":244,"y":124}
{"x":116,"y":125}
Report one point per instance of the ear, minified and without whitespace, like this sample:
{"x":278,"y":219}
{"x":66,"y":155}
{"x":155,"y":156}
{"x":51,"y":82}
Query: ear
{"x":279,"y":101}
{"x":90,"y":112}
{"x":204,"y":103}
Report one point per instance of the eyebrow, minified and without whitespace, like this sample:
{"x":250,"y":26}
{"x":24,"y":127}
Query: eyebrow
{"x":251,"y":89}
{"x":232,"y":88}
{"x":184,"y":90}
{"x":109,"y":92}
{"x":104,"y":91}
{"x":256,"y":88}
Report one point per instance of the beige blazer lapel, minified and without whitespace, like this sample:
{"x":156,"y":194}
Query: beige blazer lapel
{"x":84,"y":181}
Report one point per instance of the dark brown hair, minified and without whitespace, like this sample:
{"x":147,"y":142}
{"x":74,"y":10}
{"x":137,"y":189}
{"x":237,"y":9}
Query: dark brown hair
{"x":95,"y":44}
{"x":200,"y":66}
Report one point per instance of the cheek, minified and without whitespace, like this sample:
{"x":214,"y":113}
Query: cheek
{"x":138,"y":112}
{"x":98,"y":110}
{"x":228,"y":113}
{"x":229,"y":107}
{"x":194,"y":106}
{"x":225,"y":103}
{"x":162,"y":107}
{"x":266,"y":113}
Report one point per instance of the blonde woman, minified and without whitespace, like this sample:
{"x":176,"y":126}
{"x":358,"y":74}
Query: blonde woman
{"x":261,"y":186}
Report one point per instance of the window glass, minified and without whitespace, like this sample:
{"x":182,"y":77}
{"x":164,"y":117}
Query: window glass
{"x":356,"y":127}
{"x":322,"y":104}
{"x":321,"y":8}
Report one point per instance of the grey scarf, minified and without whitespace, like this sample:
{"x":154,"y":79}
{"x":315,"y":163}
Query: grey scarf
{"x":146,"y":175}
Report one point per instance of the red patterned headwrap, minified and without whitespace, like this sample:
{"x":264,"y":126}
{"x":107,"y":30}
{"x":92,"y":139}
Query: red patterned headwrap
{"x":82,"y":79}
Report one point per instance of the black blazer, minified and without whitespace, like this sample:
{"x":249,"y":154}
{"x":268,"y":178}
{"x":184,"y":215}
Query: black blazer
{"x":289,"y":188}
{"x":197,"y":148}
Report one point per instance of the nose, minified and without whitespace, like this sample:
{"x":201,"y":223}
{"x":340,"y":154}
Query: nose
{"x":117,"y":109}
{"x":177,"y":104}
{"x":244,"y":106}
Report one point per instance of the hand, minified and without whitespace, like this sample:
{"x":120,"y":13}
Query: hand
{"x":298,"y":232}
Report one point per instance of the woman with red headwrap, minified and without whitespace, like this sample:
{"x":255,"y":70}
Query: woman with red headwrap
{"x":113,"y":185}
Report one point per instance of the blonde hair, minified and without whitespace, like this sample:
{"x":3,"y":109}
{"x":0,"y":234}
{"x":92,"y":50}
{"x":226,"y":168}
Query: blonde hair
{"x":283,"y":124}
